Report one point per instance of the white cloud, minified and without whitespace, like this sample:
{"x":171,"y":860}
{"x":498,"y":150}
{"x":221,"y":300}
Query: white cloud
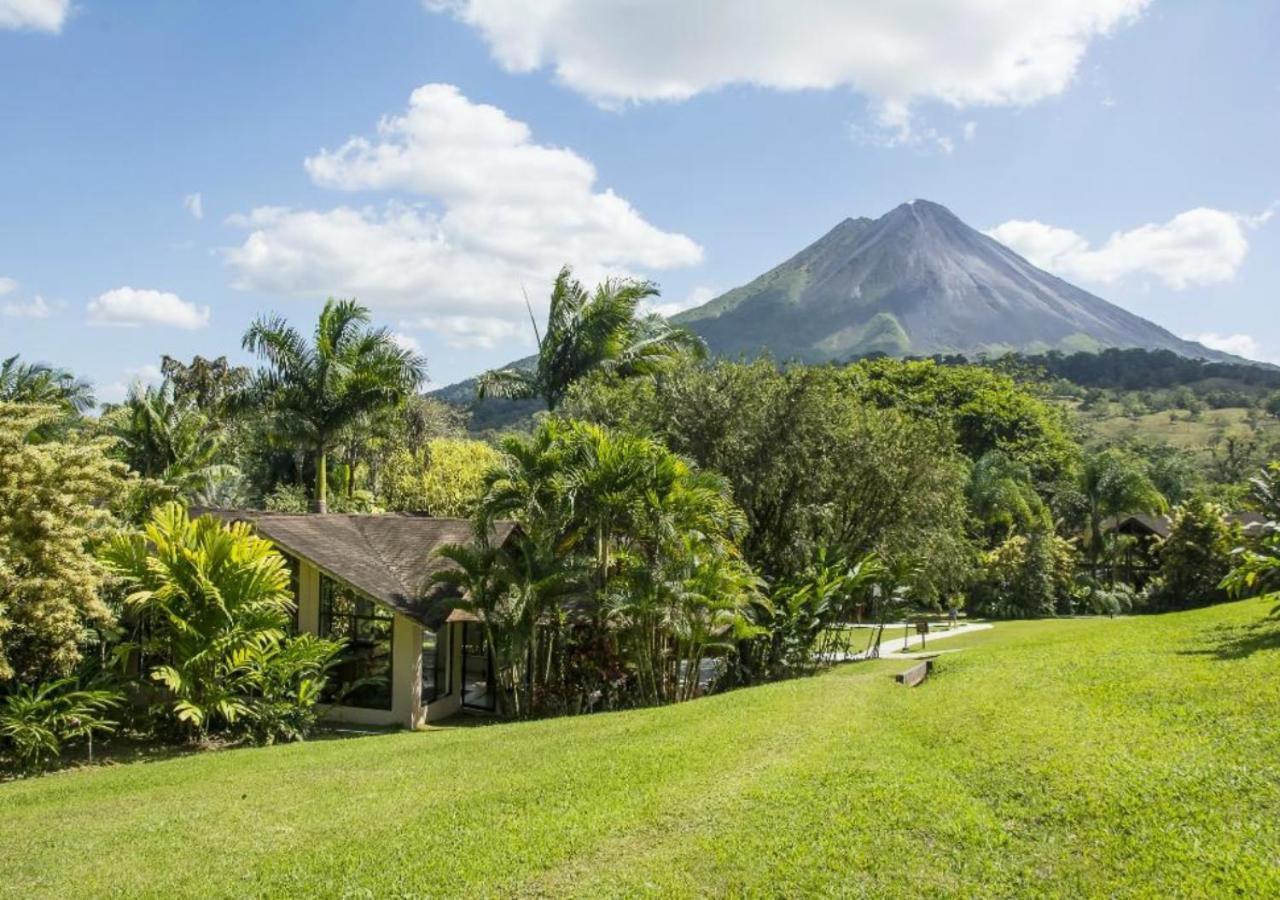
{"x":970,"y":131}
{"x":7,"y":286}
{"x":406,"y":342}
{"x":130,"y":307}
{"x":36,"y":15}
{"x":194,"y":204}
{"x":960,"y":52}
{"x":1197,"y":247}
{"x":1240,"y":344}
{"x":668,"y":308}
{"x":461,"y":331}
{"x":35,"y":308}
{"x":505,"y":214}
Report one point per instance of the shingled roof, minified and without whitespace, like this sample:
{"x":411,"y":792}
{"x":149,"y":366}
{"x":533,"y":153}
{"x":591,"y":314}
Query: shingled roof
{"x":389,"y":557}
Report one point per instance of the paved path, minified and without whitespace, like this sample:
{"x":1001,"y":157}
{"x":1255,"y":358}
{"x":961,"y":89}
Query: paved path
{"x":894,"y":646}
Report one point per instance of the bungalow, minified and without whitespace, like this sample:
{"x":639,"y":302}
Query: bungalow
{"x":412,"y":655}
{"x":1137,"y":561}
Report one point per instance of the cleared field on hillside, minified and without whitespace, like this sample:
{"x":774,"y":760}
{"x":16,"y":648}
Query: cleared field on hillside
{"x":1173,"y":427}
{"x":1086,"y":757}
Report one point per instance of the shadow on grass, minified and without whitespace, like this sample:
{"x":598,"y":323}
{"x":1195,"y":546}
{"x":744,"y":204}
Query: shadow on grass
{"x":128,"y":748}
{"x":1238,"y":641}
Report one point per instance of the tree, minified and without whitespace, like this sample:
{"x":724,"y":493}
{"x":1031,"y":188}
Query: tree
{"x":445,"y":478}
{"x":986,"y":409}
{"x":600,"y":332}
{"x":207,"y":383}
{"x":1026,"y":575}
{"x":54,"y":506}
{"x":317,"y":391}
{"x":168,"y":440}
{"x":625,"y":574}
{"x":1113,"y":483}
{"x":40,"y":384}
{"x":1001,"y":494}
{"x":1257,"y":565}
{"x":810,"y":464}
{"x":210,"y":604}
{"x":1195,"y":557}
{"x":1272,"y":404}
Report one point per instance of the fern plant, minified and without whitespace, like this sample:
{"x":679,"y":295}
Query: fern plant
{"x":215,"y":602}
{"x":37,"y":721}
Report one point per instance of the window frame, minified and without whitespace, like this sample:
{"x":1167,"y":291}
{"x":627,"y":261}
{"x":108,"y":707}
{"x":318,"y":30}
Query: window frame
{"x":441,"y":670}
{"x":378,"y":613}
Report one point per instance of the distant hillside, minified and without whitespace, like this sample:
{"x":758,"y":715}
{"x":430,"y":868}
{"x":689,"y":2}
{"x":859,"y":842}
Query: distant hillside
{"x":917,"y":282}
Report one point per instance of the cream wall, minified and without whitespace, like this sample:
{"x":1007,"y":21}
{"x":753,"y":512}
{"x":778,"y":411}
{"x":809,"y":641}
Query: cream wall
{"x":308,"y":598}
{"x":406,"y":662}
{"x":451,"y":703}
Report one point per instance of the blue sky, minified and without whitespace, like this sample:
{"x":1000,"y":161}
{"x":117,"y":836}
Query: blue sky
{"x":1129,"y":146}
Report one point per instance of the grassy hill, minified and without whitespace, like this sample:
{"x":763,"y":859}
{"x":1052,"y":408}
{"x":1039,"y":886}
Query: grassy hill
{"x":1206,"y":434}
{"x":1084,"y":757}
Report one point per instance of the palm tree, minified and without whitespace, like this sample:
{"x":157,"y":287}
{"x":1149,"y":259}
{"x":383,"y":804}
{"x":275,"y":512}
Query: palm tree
{"x":1001,"y":494}
{"x":169,"y":440}
{"x":1114,"y":484}
{"x":318,"y":391}
{"x":39,"y":383}
{"x":592,"y":332}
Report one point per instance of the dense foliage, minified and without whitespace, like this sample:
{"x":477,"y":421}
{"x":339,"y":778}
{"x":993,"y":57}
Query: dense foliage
{"x":444,"y":476}
{"x":683,"y":525}
{"x":810,"y":464}
{"x":315,"y":392}
{"x":54,"y":508}
{"x":626,"y":575}
{"x":209,"y":607}
{"x":1195,"y":558}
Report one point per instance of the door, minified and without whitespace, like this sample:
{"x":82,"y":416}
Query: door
{"x":477,"y":670}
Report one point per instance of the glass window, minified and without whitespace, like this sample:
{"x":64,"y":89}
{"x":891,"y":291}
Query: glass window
{"x":435,"y":665}
{"x":363,"y":676}
{"x":477,"y":669}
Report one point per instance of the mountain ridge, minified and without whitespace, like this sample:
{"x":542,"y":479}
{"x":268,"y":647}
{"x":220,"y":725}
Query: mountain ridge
{"x":917,"y":281}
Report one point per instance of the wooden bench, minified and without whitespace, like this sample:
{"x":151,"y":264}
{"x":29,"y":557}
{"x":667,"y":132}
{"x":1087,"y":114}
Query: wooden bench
{"x":915,"y":674}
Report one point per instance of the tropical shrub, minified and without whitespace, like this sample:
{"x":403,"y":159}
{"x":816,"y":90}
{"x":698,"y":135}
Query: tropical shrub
{"x":55,"y":507}
{"x":1256,"y":569}
{"x":287,"y":498}
{"x":445,"y":478}
{"x":804,"y":619}
{"x":210,"y":605}
{"x":38,"y":721}
{"x":1026,"y":575}
{"x":1195,"y":557}
{"x":1110,"y":600}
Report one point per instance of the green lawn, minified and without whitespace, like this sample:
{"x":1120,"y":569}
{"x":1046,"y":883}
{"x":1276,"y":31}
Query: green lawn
{"x":1138,"y":756}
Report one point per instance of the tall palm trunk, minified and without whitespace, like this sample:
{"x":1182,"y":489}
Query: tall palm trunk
{"x":320,"y":503}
